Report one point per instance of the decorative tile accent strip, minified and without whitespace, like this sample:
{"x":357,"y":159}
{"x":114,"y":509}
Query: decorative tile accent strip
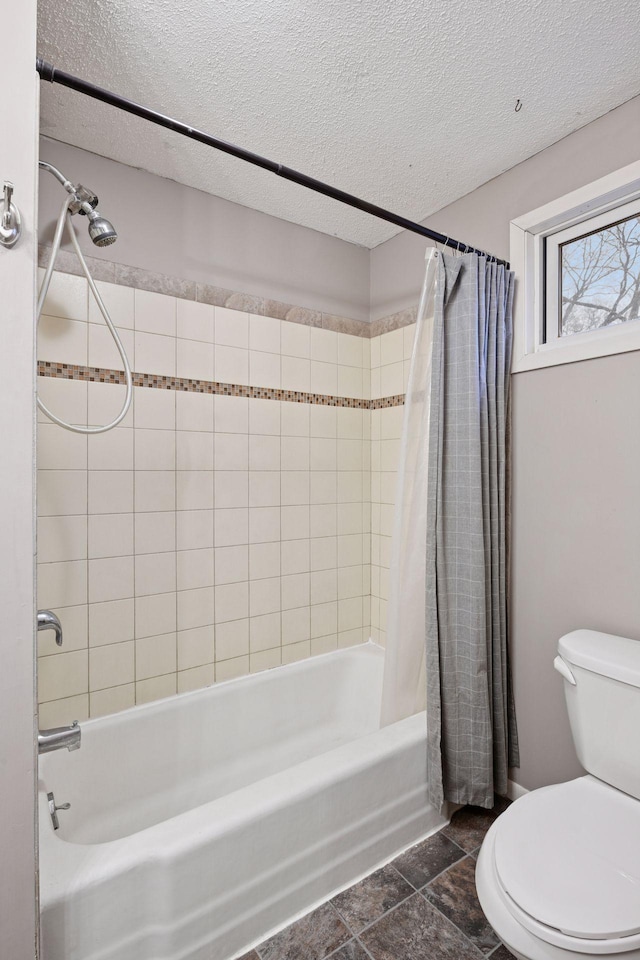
{"x":404,"y":318}
{"x":129,"y":276}
{"x":383,"y":402}
{"x":70,"y":371}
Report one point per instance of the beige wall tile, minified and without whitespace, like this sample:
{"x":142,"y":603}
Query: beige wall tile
{"x":156,"y":688}
{"x":295,"y":340}
{"x":296,"y":651}
{"x":264,"y":333}
{"x":67,"y":296}
{"x":195,"y":568}
{"x":264,"y":417}
{"x":232,"y":639}
{"x":59,"y":713}
{"x":111,"y":622}
{"x":110,"y":535}
{"x":155,"y":656}
{"x":265,"y":660}
{"x":111,"y":579}
{"x":265,"y":632}
{"x":60,"y":449}
{"x":231,"y":669}
{"x":62,"y":538}
{"x":195,"y":647}
{"x":61,"y":340}
{"x":194,"y":320}
{"x":62,"y":584}
{"x":155,"y":532}
{"x":63,"y":675}
{"x":61,"y":492}
{"x":231,"y":602}
{"x":196,"y":678}
{"x":118,"y":300}
{"x":112,"y":700}
{"x":112,"y":450}
{"x":194,"y":411}
{"x":111,"y":665}
{"x":231,"y":414}
{"x":321,"y":645}
{"x":231,"y":327}
{"x":231,"y":564}
{"x":155,"y":313}
{"x":154,"y":409}
{"x":155,"y":615}
{"x":195,"y":608}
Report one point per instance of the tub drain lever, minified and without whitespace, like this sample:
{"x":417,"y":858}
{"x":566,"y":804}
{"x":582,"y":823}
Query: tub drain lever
{"x":53,"y":809}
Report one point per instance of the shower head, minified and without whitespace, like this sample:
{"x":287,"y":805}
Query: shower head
{"x":101,"y":231}
{"x":84,"y":201}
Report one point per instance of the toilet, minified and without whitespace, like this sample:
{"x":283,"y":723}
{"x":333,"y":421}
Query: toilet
{"x":558,"y":874}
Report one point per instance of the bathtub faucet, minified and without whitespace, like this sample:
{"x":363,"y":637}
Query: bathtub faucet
{"x":56,"y":738}
{"x":48,"y":621}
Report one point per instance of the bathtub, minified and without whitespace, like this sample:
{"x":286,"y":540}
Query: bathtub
{"x":203,"y":823}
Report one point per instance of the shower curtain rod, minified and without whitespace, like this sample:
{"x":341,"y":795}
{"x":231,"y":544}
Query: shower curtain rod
{"x":48,"y":72}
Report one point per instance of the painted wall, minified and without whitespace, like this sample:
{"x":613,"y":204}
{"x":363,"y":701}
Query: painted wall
{"x":169,"y":228}
{"x":18,"y":771}
{"x":576,"y":448}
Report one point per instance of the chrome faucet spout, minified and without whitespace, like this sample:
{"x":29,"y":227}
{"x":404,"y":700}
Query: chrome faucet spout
{"x":57,"y":738}
{"x":47,"y":620}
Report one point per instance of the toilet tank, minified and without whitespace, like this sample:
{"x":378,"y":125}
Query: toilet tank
{"x":602,"y":690}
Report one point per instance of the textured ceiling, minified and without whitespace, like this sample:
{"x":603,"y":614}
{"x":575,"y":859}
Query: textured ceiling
{"x":406,"y":103}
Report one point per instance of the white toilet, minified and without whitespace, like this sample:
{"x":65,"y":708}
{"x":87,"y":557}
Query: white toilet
{"x":558,"y":874}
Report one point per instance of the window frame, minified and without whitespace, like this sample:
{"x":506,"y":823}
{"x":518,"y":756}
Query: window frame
{"x":534,"y":239}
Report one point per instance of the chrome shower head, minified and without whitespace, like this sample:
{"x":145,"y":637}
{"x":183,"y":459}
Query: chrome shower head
{"x":101,"y":231}
{"x":84,"y":202}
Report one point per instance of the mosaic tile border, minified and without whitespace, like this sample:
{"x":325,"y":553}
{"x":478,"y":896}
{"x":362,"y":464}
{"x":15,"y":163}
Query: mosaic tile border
{"x":70,"y":371}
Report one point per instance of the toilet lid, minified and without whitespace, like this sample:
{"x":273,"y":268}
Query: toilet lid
{"x":569,"y":857}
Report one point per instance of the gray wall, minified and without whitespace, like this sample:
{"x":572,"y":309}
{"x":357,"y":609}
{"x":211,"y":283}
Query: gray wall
{"x":169,"y":228}
{"x":576,"y":449}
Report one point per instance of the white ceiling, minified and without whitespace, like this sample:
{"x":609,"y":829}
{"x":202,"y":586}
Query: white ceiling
{"x":406,"y":103}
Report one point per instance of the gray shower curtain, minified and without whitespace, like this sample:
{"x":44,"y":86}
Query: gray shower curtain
{"x":471,"y":728}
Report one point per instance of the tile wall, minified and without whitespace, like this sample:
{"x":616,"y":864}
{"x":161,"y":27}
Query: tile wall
{"x":207,"y":536}
{"x":390,"y":358}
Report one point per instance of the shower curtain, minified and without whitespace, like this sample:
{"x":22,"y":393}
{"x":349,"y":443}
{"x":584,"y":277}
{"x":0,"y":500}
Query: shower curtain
{"x":454,"y":478}
{"x":404,"y":687}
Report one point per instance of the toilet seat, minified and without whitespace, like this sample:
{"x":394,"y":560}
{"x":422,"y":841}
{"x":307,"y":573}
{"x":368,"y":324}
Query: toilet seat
{"x":567,"y":862}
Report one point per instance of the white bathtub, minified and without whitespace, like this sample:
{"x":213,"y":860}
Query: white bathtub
{"x":202,"y":823}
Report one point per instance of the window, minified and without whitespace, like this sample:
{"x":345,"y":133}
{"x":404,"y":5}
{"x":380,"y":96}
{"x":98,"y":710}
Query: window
{"x":577,"y":263}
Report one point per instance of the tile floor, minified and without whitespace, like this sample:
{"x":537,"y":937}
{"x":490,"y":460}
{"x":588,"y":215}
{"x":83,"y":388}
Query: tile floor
{"x":421,"y":906}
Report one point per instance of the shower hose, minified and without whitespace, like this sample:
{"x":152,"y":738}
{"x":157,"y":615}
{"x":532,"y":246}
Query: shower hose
{"x":65,"y":217}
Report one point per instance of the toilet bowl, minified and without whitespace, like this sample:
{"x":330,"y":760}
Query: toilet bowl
{"x":558,"y":875}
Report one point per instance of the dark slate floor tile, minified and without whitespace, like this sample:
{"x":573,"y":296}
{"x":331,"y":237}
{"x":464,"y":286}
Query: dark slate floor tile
{"x":252,"y":955}
{"x":351,"y":951}
{"x":311,"y":938}
{"x":416,"y":931}
{"x":502,"y":954}
{"x":365,"y":902}
{"x":425,"y":861}
{"x":454,"y":894}
{"x":501,"y":804}
{"x":469,"y":825}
